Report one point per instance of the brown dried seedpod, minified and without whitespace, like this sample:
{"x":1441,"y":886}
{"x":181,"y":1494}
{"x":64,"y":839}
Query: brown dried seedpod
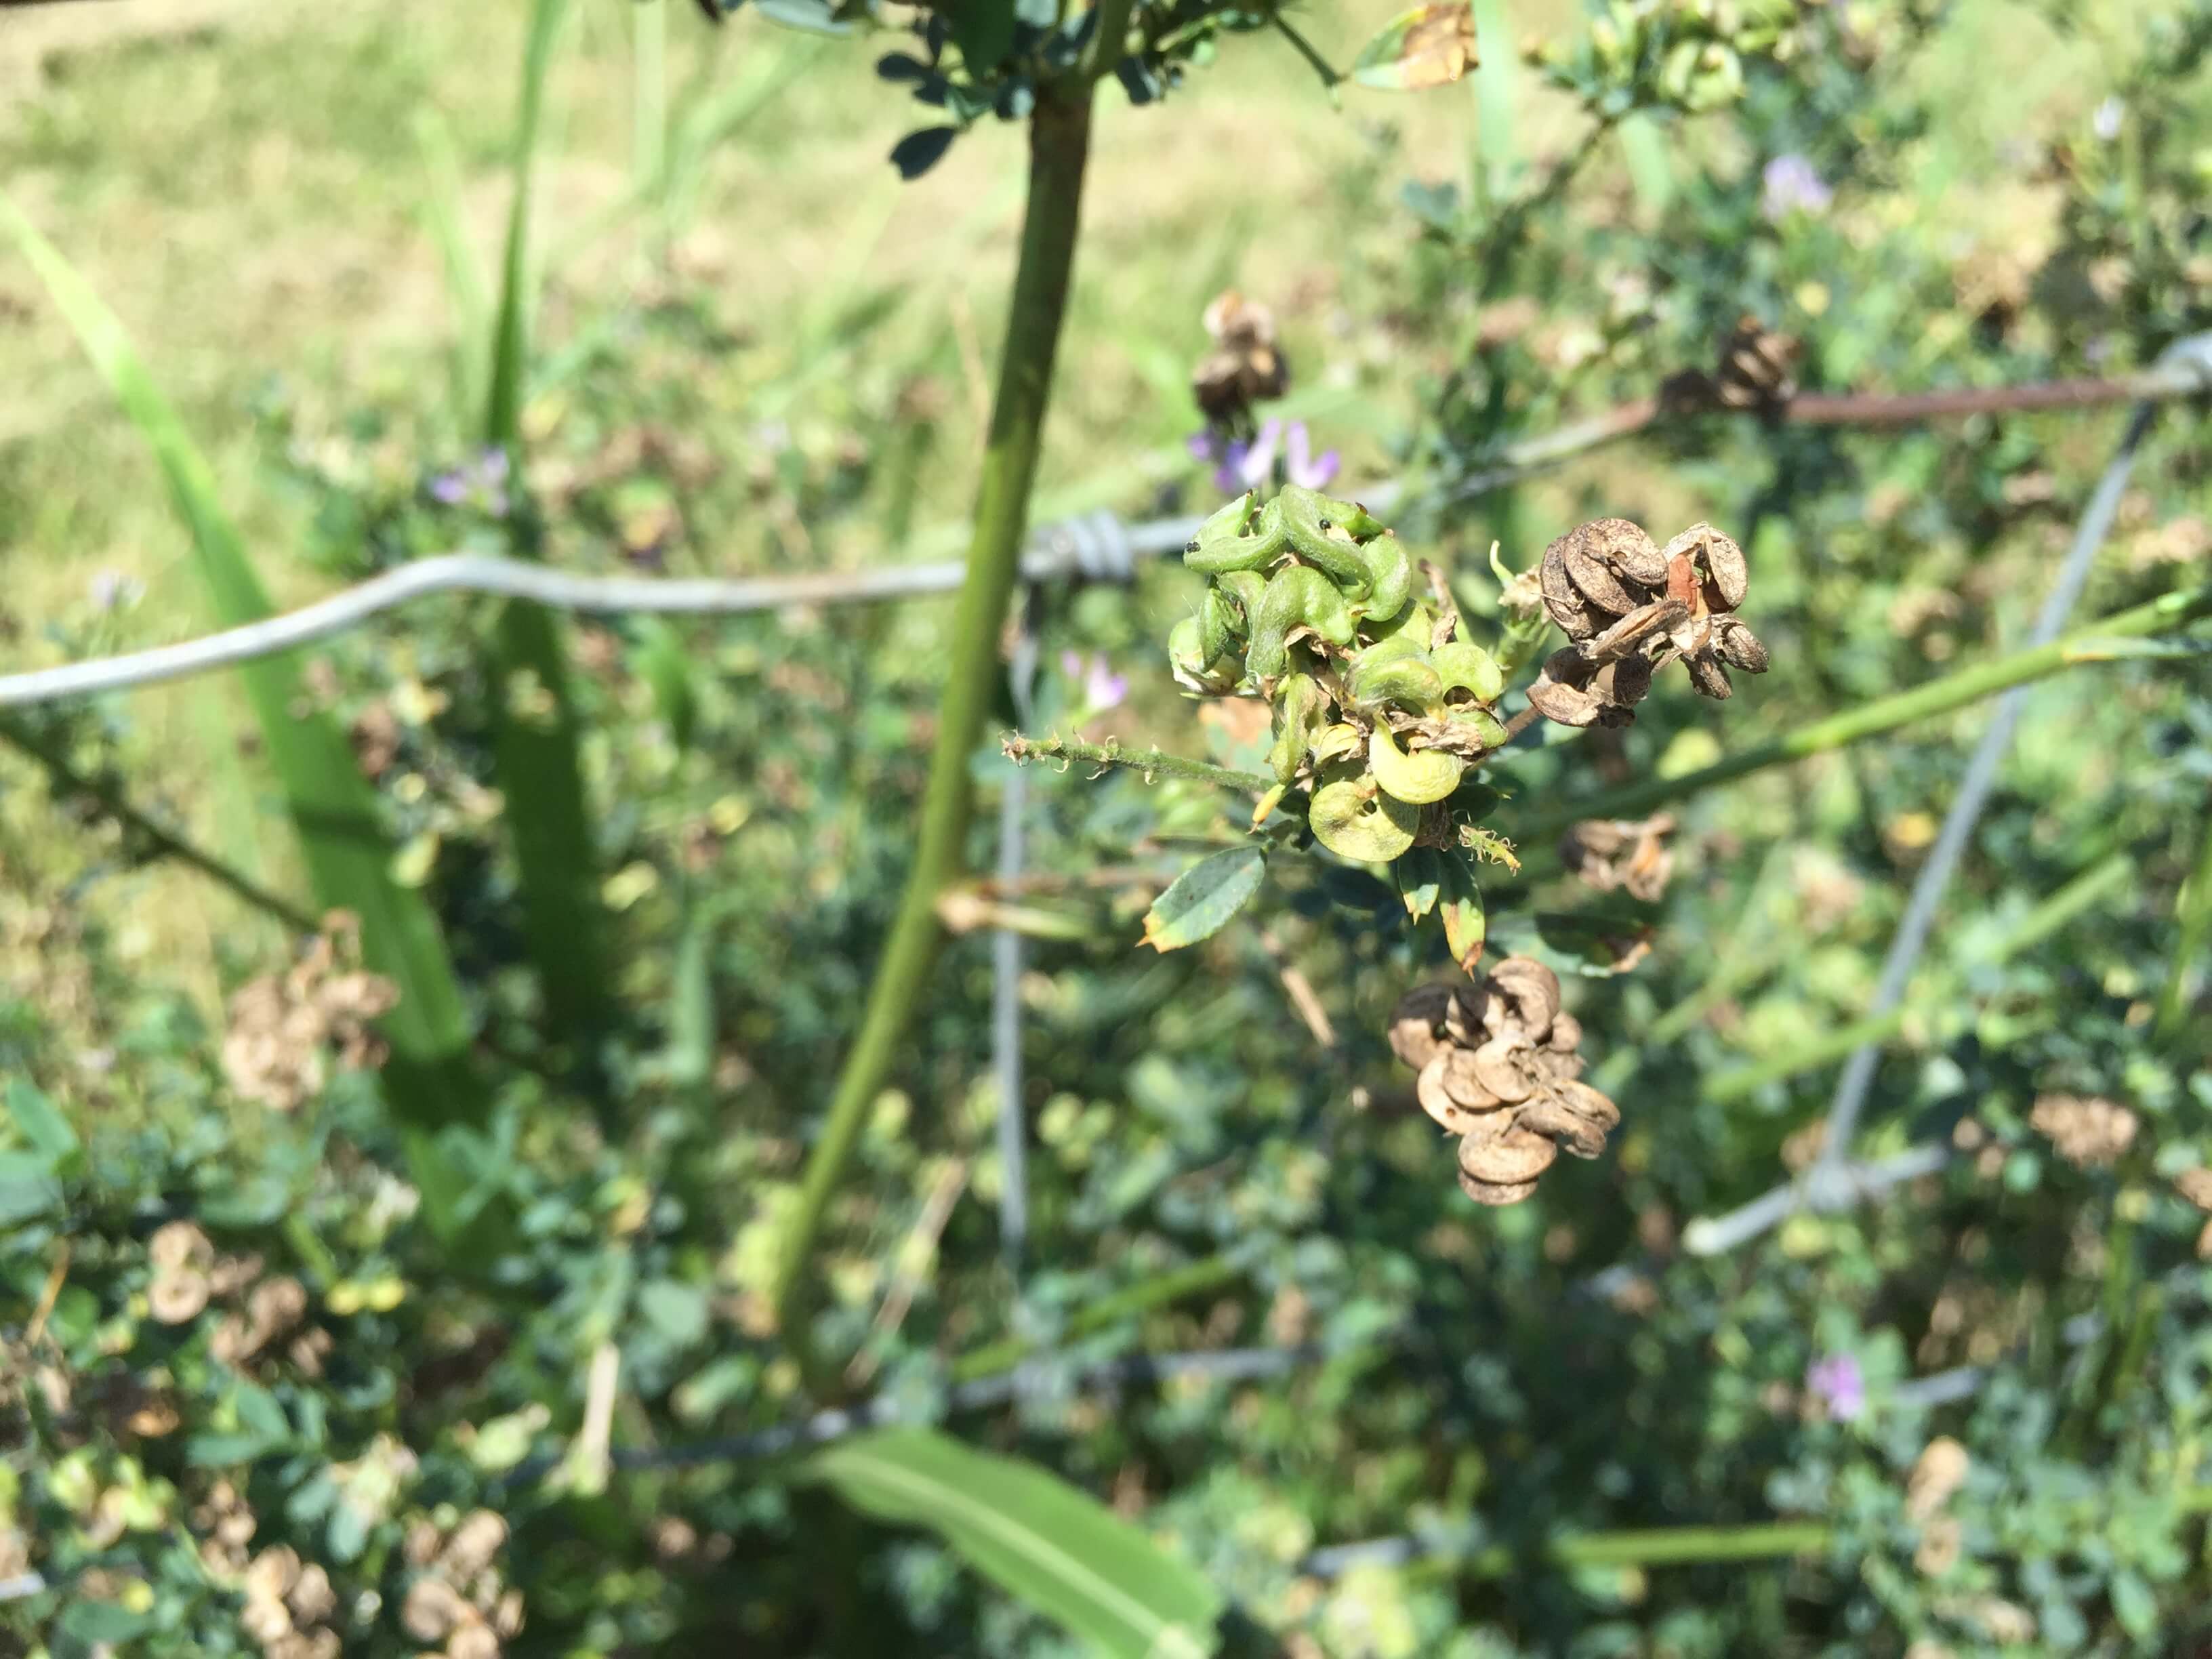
{"x":1757,"y":367}
{"x":1602,"y":569}
{"x":1507,"y":1158}
{"x":1500,"y":1073}
{"x":1621,"y":853}
{"x":1438,"y":1101}
{"x":1490,"y":1192}
{"x":1718,"y":563}
{"x":1415,"y":1022}
{"x":1530,"y":991}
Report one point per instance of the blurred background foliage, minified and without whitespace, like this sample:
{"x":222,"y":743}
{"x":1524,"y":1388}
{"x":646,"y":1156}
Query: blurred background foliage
{"x":1967,"y":1417}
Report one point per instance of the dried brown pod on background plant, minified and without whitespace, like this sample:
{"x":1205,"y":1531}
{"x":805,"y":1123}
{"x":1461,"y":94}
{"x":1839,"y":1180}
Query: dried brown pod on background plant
{"x":1621,"y":853}
{"x":1496,"y":1065}
{"x":1244,"y":364}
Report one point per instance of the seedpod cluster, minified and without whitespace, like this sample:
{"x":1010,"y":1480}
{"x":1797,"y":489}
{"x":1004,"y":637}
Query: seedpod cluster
{"x":1380,"y":708}
{"x":1497,"y":1065}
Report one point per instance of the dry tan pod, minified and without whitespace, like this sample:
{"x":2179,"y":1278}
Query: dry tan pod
{"x":1497,"y":1065}
{"x":1533,"y":988}
{"x":1739,"y":647}
{"x":1563,"y":600}
{"x":1492,"y":1192}
{"x":1553,"y":1067}
{"x":1436,"y":1102}
{"x":1600,"y":586}
{"x":1552,"y":1116}
{"x":1415,"y":1021}
{"x":1566,"y":1034}
{"x":1517,"y":1155}
{"x":1463,"y":1082}
{"x":1721,"y":571}
{"x":2196,"y":1186}
{"x":433,"y":1606}
{"x":1660,"y":616}
{"x":271,"y":1573}
{"x":1593,"y":1105}
{"x":1470,"y":1009}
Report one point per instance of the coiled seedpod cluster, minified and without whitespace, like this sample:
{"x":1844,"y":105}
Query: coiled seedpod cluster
{"x":1380,"y":711}
{"x":1633,"y":607}
{"x":1496,"y":1065}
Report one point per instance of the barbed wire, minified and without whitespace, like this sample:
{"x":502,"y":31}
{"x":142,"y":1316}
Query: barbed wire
{"x":1097,"y":546}
{"x":1833,"y":1182}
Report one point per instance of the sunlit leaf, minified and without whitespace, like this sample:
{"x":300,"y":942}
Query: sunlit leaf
{"x":1037,"y":1537}
{"x":1203,"y":898}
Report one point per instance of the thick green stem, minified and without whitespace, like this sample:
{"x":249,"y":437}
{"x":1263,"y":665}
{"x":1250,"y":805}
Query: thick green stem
{"x":1152,"y":762}
{"x":1939,"y":697}
{"x":1060,"y":134}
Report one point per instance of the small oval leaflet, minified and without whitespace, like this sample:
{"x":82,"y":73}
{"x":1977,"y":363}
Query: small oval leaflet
{"x":1203,"y":898}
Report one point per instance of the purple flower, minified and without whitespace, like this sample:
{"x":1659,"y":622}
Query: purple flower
{"x":1242,"y":465}
{"x":481,"y":484}
{"x":1789,"y":184}
{"x":110,"y":590}
{"x":1302,"y":466}
{"x":1841,"y":1385}
{"x":1103,"y":689}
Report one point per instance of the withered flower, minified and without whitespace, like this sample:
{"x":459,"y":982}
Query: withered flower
{"x":1755,"y":369}
{"x":2085,"y":1133}
{"x":1498,"y":1067}
{"x":1244,"y":364}
{"x":1620,"y":853}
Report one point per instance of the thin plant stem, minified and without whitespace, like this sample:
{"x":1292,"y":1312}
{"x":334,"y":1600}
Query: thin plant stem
{"x":1192,"y":1278}
{"x":2192,"y":935}
{"x":1329,"y":75}
{"x":1059,"y":132}
{"x":68,"y":780}
{"x":1939,"y":697}
{"x":1152,"y":762}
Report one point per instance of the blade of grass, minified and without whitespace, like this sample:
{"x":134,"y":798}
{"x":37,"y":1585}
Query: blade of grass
{"x":2192,"y":939}
{"x":536,"y":733}
{"x":448,"y":228}
{"x":648,"y":113}
{"x":348,"y":855}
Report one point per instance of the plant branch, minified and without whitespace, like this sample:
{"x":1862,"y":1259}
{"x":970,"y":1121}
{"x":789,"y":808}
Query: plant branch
{"x":1320,"y":65}
{"x":1060,"y":133}
{"x":1152,"y":762}
{"x":1939,"y":697}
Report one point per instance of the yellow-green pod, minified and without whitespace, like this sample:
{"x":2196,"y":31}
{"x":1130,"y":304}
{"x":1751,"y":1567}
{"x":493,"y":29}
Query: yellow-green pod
{"x":1414,"y":622}
{"x":1305,"y":524}
{"x":1215,"y":615}
{"x":1355,"y":519}
{"x":1469,"y":668}
{"x":1417,"y":779}
{"x":1389,"y":575}
{"x":1338,"y":741}
{"x":1301,"y":706}
{"x":1191,"y":669}
{"x":1354,"y":819}
{"x":1405,"y":678}
{"x":1487,"y":726}
{"x":1243,"y":590}
{"x":1297,"y":596}
{"x":1235,"y":539}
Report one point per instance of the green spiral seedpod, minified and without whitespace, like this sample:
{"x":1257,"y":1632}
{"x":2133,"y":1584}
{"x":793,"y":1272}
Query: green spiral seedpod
{"x":1301,"y":711}
{"x":1352,"y":817}
{"x":1469,"y":668}
{"x":1425,"y":776}
{"x":1307,"y":527}
{"x":1405,"y":678}
{"x":1236,"y":539}
{"x":1297,"y":596}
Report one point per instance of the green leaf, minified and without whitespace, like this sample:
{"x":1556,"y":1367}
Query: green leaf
{"x":44,"y":1127}
{"x":921,"y":150}
{"x":1466,"y":925}
{"x":1203,"y":898}
{"x":676,"y":1310}
{"x":982,"y":29}
{"x":661,"y":659}
{"x":1428,"y":46}
{"x":331,"y":805}
{"x":222,"y":1451}
{"x":1039,"y":1539}
{"x":1420,"y":876}
{"x":259,"y":1412}
{"x":536,"y":734}
{"x":97,"y":1623}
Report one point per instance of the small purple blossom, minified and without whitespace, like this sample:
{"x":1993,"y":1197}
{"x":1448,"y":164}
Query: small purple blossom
{"x":1788,"y":184}
{"x":1839,"y":1384}
{"x":112,"y":590}
{"x":1103,"y":689}
{"x":1243,"y":463}
{"x":481,"y":484}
